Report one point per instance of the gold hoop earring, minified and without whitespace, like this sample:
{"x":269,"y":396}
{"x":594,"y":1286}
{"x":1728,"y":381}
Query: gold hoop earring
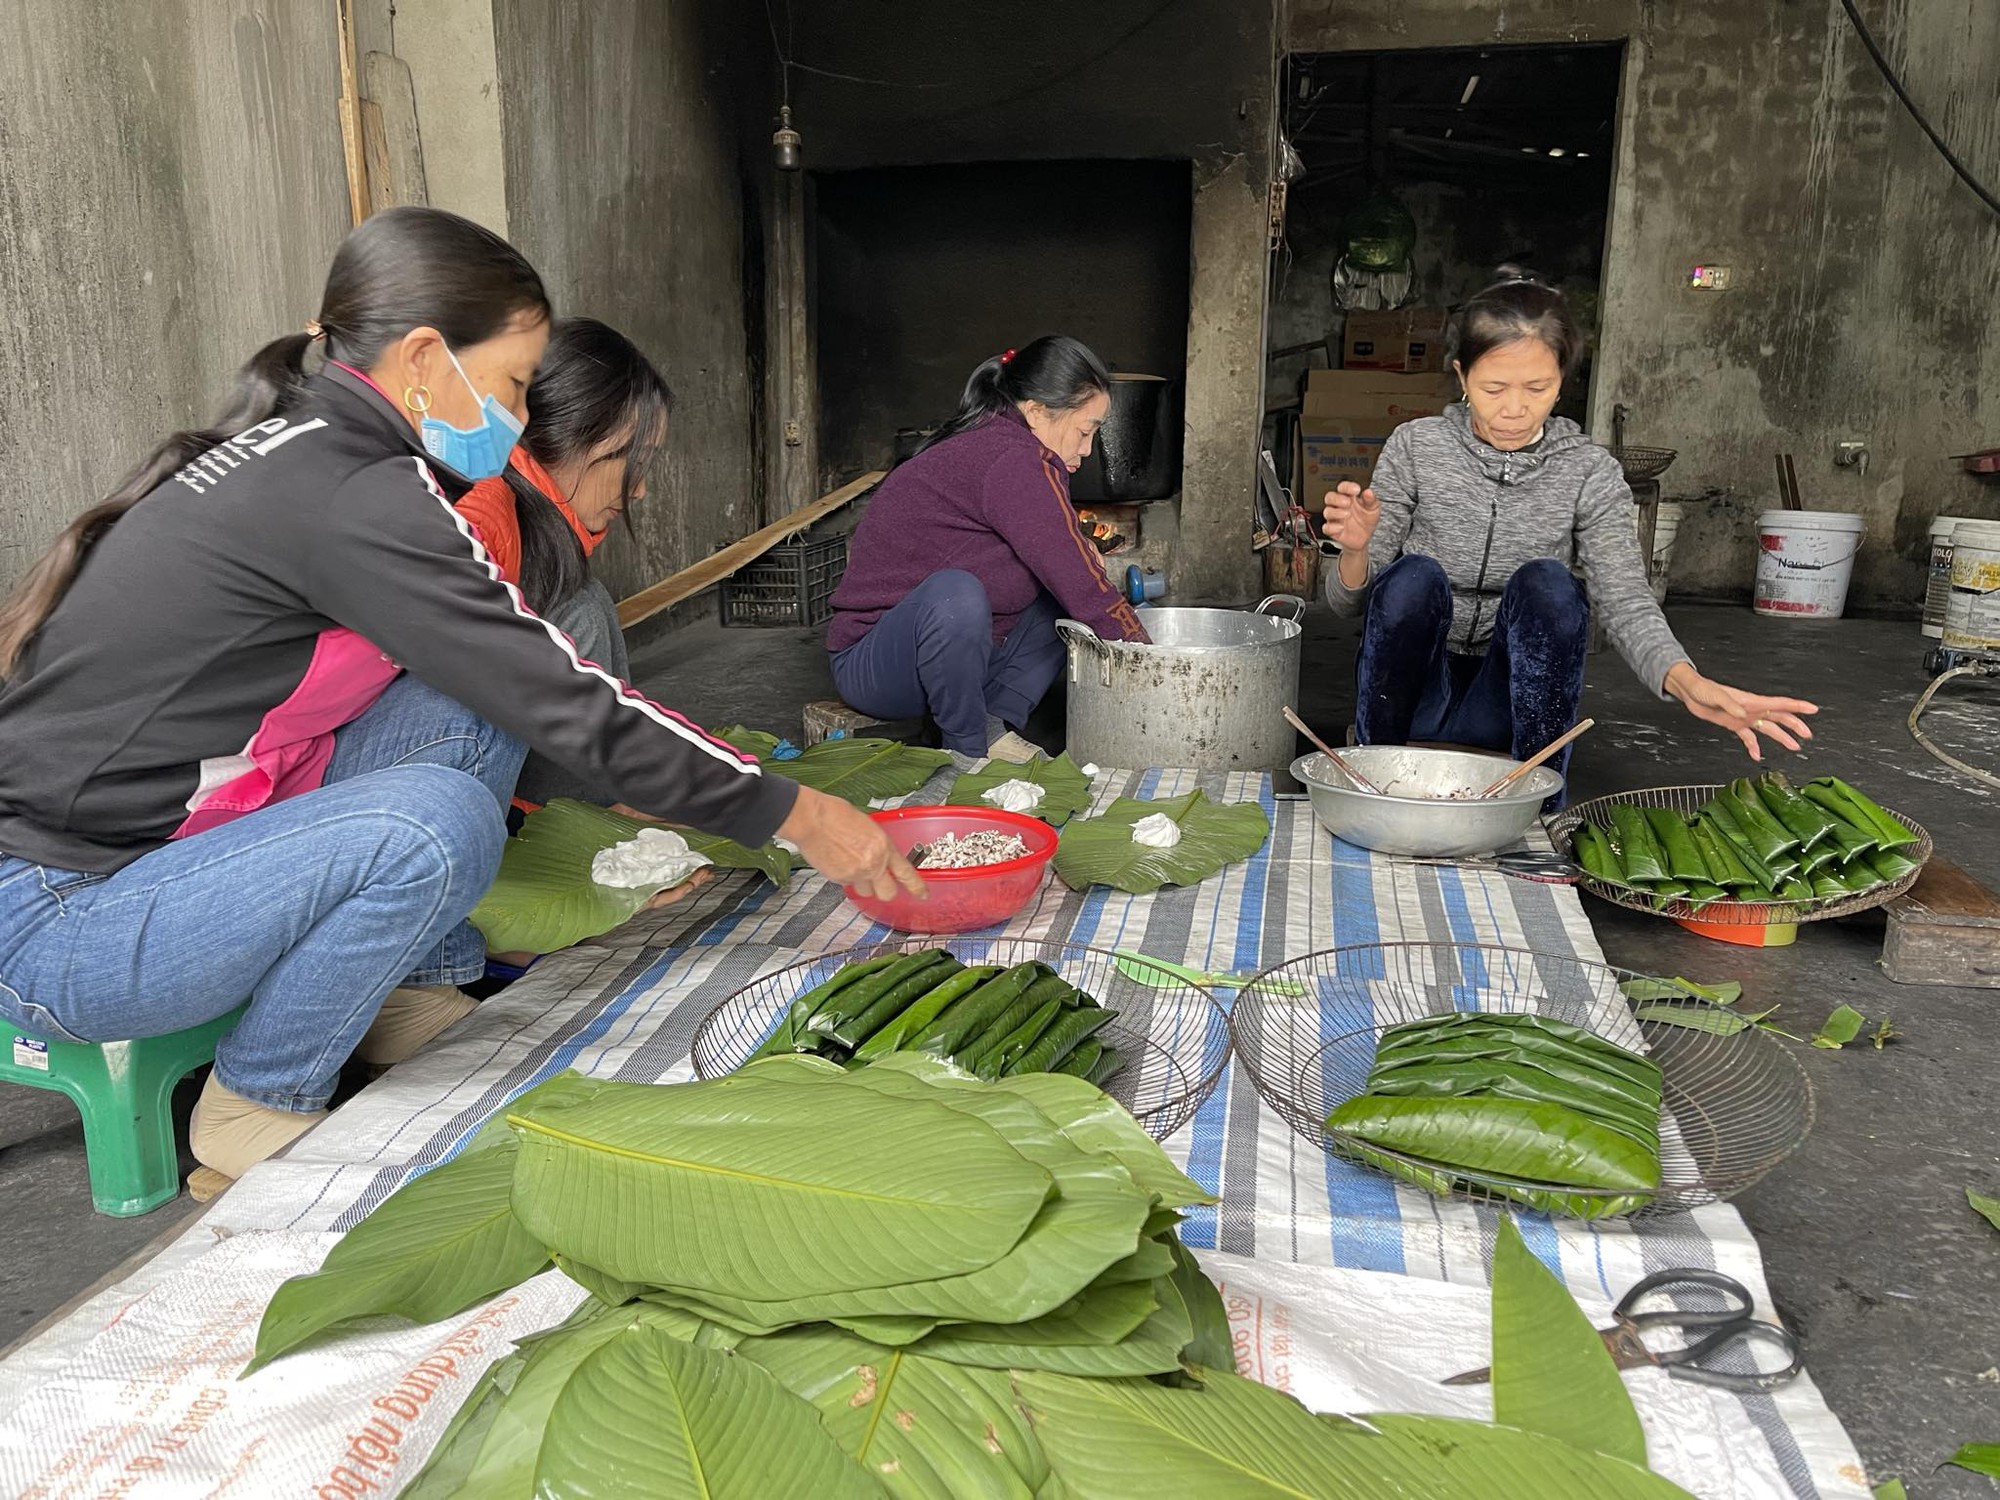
{"x":417,"y":398}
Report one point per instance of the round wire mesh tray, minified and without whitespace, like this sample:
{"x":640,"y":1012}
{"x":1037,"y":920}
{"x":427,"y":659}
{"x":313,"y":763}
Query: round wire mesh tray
{"x":1733,"y":1106}
{"x":1644,"y":463}
{"x":1688,"y":800}
{"x":1174,"y":1035}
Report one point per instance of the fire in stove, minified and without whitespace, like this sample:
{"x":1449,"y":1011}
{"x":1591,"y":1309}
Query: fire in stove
{"x":1103,"y":535}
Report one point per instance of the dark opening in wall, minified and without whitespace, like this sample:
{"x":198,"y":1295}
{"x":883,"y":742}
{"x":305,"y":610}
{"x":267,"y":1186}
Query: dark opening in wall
{"x":922,"y":272}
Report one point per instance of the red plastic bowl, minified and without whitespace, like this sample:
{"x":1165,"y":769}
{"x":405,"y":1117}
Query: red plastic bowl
{"x":961,"y":900}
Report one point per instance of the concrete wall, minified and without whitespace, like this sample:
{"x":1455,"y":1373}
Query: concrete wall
{"x":623,"y":186}
{"x":1191,"y":81}
{"x":171,"y":191}
{"x":924,"y":272}
{"x":1758,"y":135}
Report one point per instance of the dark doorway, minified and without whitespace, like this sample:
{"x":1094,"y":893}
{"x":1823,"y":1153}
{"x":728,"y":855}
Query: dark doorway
{"x":922,"y":272}
{"x":1495,"y":154}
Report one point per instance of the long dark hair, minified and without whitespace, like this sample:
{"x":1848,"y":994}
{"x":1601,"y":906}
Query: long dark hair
{"x":404,"y":268}
{"x":1055,"y":371}
{"x":593,"y":386}
{"x":1519,"y":305}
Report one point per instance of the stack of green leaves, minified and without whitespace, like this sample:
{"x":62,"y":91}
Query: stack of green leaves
{"x":943,"y":1227}
{"x":1531,"y":1108}
{"x":1757,"y":842}
{"x":993,"y":1022}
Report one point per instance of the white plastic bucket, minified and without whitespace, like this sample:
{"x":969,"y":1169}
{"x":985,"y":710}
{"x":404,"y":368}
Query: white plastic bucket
{"x":1666,"y":527}
{"x":1805,"y":559}
{"x":1937,"y":585}
{"x":1972,"y":618}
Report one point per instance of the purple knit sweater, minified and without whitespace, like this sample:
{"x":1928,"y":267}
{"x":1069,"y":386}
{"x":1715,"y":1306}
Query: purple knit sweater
{"x":994,"y":502}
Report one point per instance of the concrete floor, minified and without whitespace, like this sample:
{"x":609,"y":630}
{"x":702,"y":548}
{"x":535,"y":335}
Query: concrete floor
{"x":1873,"y":1255}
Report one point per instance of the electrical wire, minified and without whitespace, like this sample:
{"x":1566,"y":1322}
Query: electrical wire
{"x":1964,"y":172}
{"x":1978,"y":669}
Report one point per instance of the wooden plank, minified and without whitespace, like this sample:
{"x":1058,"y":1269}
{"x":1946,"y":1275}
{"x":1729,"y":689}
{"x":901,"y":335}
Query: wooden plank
{"x":712,"y":570}
{"x":350,"y":117}
{"x":386,"y":83}
{"x":375,"y":147}
{"x":1944,"y":930}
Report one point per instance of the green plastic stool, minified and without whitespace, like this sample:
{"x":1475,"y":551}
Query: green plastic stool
{"x":125,"y":1093}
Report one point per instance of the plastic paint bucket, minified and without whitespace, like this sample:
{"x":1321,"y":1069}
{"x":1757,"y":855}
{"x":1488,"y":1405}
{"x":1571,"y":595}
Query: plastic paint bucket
{"x":1805,"y":559}
{"x":1972,"y":616}
{"x":1666,"y":527}
{"x":1937,"y":586}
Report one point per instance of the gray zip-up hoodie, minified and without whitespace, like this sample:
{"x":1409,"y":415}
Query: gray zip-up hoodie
{"x":1483,"y":513}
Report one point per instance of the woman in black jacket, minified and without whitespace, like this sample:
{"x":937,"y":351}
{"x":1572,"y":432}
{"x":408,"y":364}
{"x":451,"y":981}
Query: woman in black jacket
{"x":176,"y":665}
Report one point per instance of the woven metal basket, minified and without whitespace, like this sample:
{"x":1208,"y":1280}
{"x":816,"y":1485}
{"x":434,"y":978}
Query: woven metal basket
{"x":1644,"y":463}
{"x":1174,"y":1035}
{"x":1733,"y":1106}
{"x":1688,"y":800}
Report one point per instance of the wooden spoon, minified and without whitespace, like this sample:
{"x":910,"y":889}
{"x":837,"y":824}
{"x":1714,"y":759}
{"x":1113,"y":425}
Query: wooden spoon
{"x":1528,"y":765}
{"x":1331,"y":754}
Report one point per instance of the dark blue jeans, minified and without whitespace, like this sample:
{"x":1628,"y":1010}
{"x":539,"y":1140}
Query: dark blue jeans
{"x":1520,"y":695}
{"x":935,"y":651}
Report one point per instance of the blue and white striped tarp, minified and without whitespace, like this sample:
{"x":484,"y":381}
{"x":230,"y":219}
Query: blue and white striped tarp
{"x":627,"y":1005}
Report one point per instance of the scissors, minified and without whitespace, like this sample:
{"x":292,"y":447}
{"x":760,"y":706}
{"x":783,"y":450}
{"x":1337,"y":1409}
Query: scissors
{"x":1713,"y":1335}
{"x":1524,"y":864}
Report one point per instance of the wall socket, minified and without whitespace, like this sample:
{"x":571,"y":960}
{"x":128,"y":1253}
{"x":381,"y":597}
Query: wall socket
{"x":1709,"y":279}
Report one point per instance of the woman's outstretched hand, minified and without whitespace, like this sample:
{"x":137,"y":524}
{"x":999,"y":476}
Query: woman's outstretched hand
{"x":848,"y":847}
{"x":1351,"y":516}
{"x":1745,"y":715}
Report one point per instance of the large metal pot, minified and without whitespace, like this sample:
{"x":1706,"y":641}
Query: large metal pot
{"x":1210,"y":691}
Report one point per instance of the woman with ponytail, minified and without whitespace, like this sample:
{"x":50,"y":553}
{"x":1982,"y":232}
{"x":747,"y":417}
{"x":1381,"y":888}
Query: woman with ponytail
{"x":1459,"y":552}
{"x":264,"y":706}
{"x":971,"y":551}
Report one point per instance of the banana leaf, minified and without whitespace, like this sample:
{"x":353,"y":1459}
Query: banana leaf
{"x":1539,"y":1143}
{"x":1855,"y":807}
{"x":1806,"y":819}
{"x":1093,"y":1121}
{"x":750,"y":741}
{"x":1683,"y":859}
{"x":1066,"y":790}
{"x":1840,"y":1028}
{"x":1551,"y":1371}
{"x":1639,"y":988}
{"x":488,"y":1452}
{"x":1154,"y":1258}
{"x":922,"y":1427}
{"x":1594,"y":852}
{"x":436,"y":1246}
{"x":1987,"y":1208}
{"x":1639,"y":853}
{"x":1235,"y":1439}
{"x":1439,"y":1180}
{"x":543,"y":899}
{"x":800,"y":1184}
{"x":1737,"y":840}
{"x":1153,"y":1348}
{"x":1532,"y":1033}
{"x":863,"y":771}
{"x":1489,"y":1079}
{"x":1980,"y":1458}
{"x":1715,"y":1020}
{"x":1772,"y":843}
{"x":646,"y":1415}
{"x":1212,"y":1344}
{"x":1101,"y":850}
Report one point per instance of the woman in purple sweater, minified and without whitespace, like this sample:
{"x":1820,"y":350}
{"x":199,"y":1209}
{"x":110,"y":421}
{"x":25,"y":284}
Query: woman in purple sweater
{"x":971,"y":551}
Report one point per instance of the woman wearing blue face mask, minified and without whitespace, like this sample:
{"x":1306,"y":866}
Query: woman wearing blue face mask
{"x":264,"y":706}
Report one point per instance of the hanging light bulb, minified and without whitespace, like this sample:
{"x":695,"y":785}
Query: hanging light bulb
{"x":785,"y":142}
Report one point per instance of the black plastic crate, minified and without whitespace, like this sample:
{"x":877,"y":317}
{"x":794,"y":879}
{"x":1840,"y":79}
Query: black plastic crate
{"x":792,"y":584}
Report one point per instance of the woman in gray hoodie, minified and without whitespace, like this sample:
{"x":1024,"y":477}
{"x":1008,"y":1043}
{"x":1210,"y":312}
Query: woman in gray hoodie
{"x":1461,"y":550}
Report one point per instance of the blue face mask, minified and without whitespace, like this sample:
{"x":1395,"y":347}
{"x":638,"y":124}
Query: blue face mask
{"x":474,"y":452}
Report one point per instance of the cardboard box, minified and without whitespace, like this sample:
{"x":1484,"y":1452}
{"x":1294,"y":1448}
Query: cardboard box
{"x":1346,"y":415}
{"x":1409,"y":340}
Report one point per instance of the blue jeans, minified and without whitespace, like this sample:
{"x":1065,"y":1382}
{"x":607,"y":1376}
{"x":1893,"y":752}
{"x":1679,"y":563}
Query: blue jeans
{"x":1520,"y":695}
{"x":311,"y":909}
{"x":935,"y":651}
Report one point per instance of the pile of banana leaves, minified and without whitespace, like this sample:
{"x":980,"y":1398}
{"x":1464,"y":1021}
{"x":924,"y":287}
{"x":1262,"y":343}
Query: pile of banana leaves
{"x":1520,"y":1105}
{"x":994,"y":1022}
{"x":1756,"y":842}
{"x":899,"y":1281}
